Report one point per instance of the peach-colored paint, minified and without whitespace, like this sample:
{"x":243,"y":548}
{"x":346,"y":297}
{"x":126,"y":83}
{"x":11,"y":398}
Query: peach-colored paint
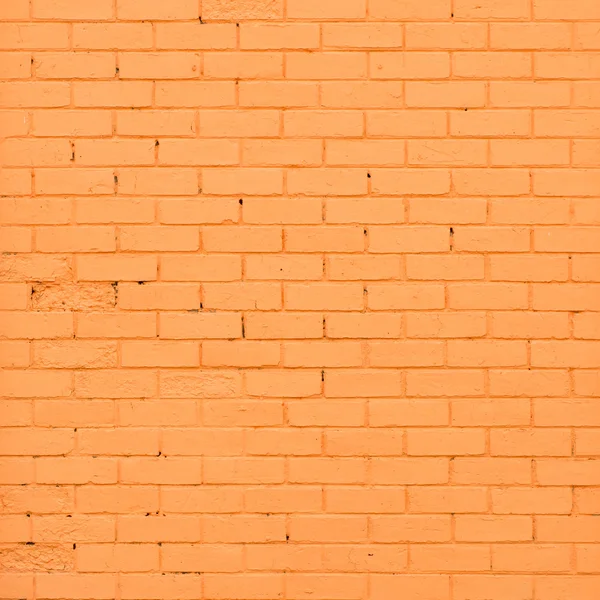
{"x":300,"y":299}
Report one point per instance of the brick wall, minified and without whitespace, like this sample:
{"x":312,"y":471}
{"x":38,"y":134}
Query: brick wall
{"x":300,"y":299}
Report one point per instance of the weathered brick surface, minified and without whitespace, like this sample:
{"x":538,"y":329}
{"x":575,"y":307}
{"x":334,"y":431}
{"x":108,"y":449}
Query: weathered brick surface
{"x":300,"y":299}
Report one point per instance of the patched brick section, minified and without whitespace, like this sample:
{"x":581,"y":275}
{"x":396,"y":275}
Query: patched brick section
{"x":300,"y":299}
{"x":73,"y":297}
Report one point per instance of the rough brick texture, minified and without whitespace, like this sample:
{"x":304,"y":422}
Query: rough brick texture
{"x":300,"y":299}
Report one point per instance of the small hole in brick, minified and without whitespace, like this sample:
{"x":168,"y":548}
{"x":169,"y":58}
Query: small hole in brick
{"x":241,"y":201}
{"x":369,"y":175}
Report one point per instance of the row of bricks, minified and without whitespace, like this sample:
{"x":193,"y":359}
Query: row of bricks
{"x":306,"y":153}
{"x":58,"y":354}
{"x":226,"y":268}
{"x":524,"y":325}
{"x":306,"y":498}
{"x":399,"y":65}
{"x":307,"y":528}
{"x":310,"y":123}
{"x":293,"y":241}
{"x":508,"y":412}
{"x":510,"y":267}
{"x":293,"y":94}
{"x":299,"y":211}
{"x":307,"y":182}
{"x":299,"y":9}
{"x":320,"y":296}
{"x":235,"y":442}
{"x":297,"y":586}
{"x":296,"y":383}
{"x":535,"y":36}
{"x":310,"y":558}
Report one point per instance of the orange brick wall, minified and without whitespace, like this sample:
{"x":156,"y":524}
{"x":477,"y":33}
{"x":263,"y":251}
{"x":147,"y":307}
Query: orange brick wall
{"x":300,"y":299}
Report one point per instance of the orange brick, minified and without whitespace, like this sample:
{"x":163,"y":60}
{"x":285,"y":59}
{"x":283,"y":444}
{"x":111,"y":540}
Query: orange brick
{"x":554,"y":413}
{"x":523,"y":442}
{"x":15,"y":65}
{"x":301,"y":585}
{"x":156,"y":122}
{"x":39,"y":268}
{"x":450,"y":558}
{"x":491,"y":471}
{"x":374,"y":152}
{"x":274,"y":383}
{"x":323,"y":296}
{"x":119,"y":442}
{"x":199,"y":384}
{"x":74,"y":354}
{"x":521,"y":558}
{"x":282,"y":442}
{"x":411,"y":296}
{"x":513,"y":65}
{"x":492,"y":123}
{"x":74,"y":413}
{"x":158,"y":238}
{"x":116,"y":268}
{"x":587,"y":558}
{"x":362,"y":383}
{"x":184,"y":558}
{"x":383,"y":413}
{"x":115,"y":384}
{"x":112,"y":36}
{"x":406,"y":354}
{"x":17,"y":11}
{"x":485,"y":353}
{"x":160,"y":354}
{"x":447,"y":499}
{"x":184,"y":36}
{"x":157,"y":413}
{"x":291,"y":36}
{"x":524,"y":500}
{"x":411,"y":528}
{"x":444,"y":267}
{"x":445,"y":325}
{"x":452,"y":36}
{"x":444,"y":383}
{"x":192,"y":267}
{"x":578,"y":528}
{"x":491,"y":412}
{"x":453,"y":442}
{"x":553,"y":587}
{"x":14,"y":353}
{"x":528,"y":383}
{"x":446,"y":152}
{"x":72,"y":585}
{"x":35,"y":383}
{"x":34,"y":35}
{"x":118,"y":557}
{"x":502,"y":529}
{"x":274,"y":94}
